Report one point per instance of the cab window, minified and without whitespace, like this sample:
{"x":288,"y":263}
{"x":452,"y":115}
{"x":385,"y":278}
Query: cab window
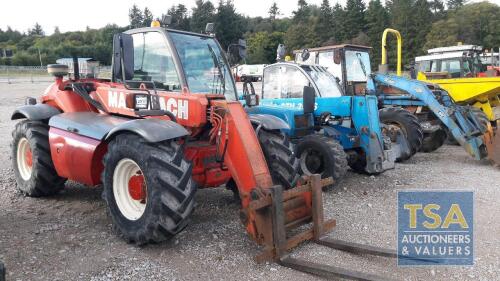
{"x":153,"y":61}
{"x":293,"y":82}
{"x":284,"y":82}
{"x":428,"y":66}
{"x":452,"y":67}
{"x":272,"y":88}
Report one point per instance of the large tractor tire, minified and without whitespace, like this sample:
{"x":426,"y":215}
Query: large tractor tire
{"x":148,"y":188}
{"x":280,"y":157}
{"x":408,"y":123}
{"x":481,"y":116}
{"x":2,"y":271}
{"x":319,"y":154}
{"x":33,"y":167}
{"x":434,"y":140}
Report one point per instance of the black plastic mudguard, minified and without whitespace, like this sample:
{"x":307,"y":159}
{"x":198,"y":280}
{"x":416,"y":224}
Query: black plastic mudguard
{"x":268,"y":122}
{"x":36,"y":112}
{"x":104,"y":126}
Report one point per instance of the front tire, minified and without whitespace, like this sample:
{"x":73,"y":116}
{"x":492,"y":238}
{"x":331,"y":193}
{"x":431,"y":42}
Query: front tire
{"x":33,"y":167}
{"x":408,"y":123}
{"x":434,"y":140}
{"x":322,"y":155}
{"x":148,"y":188}
{"x":280,"y":157}
{"x":482,"y":118}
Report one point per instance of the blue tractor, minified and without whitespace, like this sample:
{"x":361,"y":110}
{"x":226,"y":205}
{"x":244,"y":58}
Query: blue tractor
{"x":331,"y":130}
{"x":436,"y":111}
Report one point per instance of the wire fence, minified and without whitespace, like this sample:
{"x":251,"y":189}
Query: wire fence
{"x":37,"y":74}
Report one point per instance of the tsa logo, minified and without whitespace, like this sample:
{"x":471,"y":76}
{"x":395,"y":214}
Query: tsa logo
{"x":435,"y":228}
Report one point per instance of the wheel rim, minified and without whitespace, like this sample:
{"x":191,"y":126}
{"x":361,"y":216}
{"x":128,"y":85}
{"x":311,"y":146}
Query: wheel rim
{"x":129,"y":189}
{"x":391,"y":130}
{"x":311,"y":162}
{"x":24,"y":159}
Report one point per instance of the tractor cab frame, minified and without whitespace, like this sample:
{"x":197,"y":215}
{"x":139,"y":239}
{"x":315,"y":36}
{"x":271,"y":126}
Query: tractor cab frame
{"x":349,"y":63}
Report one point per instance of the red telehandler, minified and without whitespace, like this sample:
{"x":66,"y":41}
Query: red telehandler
{"x":166,"y":123}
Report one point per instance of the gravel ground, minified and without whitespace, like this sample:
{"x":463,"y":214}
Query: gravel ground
{"x":70,"y":237}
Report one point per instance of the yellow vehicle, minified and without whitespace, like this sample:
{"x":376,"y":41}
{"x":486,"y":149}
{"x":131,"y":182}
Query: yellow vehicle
{"x":458,"y":69}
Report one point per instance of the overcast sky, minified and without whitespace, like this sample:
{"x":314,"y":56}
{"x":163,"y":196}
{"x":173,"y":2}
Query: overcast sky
{"x":77,"y":15}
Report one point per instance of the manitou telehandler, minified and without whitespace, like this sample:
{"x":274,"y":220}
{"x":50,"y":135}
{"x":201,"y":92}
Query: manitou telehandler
{"x":168,"y":122}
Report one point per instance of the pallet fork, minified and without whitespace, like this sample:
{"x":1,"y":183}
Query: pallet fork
{"x":279,"y":250}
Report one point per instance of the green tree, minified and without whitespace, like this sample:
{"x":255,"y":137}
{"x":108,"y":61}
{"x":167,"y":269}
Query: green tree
{"x":477,"y":23}
{"x":228,"y":24}
{"x":301,"y":36}
{"x":338,"y":17}
{"x":148,"y":17}
{"x":274,"y":11}
{"x":401,"y":13}
{"x":202,"y":13}
{"x":422,"y":26}
{"x":135,"y":16}
{"x":455,"y":4}
{"x":56,"y":30}
{"x":354,"y":21}
{"x":302,"y":13}
{"x":377,"y":19}
{"x":261,"y":47}
{"x":437,"y":8}
{"x":180,"y":19}
{"x":36,"y":30}
{"x":324,"y":26}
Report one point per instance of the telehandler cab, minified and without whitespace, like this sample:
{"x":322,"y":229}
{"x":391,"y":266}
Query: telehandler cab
{"x":167,"y":123}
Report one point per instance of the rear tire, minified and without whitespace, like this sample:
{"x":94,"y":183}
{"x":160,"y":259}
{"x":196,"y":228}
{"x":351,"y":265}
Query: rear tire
{"x":33,"y":167}
{"x":319,"y":154}
{"x":167,"y":189}
{"x":409,"y":125}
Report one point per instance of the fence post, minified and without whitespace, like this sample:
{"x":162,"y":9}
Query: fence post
{"x":8,"y":78}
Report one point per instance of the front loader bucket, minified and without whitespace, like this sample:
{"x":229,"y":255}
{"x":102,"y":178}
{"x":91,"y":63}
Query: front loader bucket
{"x":492,"y":141}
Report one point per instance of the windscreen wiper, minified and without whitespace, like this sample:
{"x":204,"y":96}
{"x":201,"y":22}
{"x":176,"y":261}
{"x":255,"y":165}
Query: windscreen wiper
{"x":219,"y":69}
{"x":358,"y":55}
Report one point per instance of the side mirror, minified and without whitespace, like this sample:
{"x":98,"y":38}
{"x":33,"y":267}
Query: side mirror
{"x":251,"y":100}
{"x":280,"y":52}
{"x":309,"y":99}
{"x":166,"y":19}
{"x":123,"y":57}
{"x":209,"y":28}
{"x":305,"y":54}
{"x":242,"y":48}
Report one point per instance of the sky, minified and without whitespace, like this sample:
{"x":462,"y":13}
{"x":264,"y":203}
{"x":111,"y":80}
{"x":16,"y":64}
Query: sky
{"x":77,"y":15}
